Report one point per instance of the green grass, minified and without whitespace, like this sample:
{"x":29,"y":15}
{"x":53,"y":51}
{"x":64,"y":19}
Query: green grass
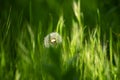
{"x":82,"y":56}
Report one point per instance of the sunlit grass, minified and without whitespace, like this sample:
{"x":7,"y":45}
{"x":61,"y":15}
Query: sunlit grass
{"x":77,"y":58}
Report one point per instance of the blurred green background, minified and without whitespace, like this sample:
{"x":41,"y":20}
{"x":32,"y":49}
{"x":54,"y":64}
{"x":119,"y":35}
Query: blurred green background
{"x":45,"y":13}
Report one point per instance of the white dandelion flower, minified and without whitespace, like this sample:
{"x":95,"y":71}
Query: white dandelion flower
{"x":52,"y":40}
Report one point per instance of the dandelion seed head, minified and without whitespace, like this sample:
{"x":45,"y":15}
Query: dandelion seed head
{"x":52,"y":40}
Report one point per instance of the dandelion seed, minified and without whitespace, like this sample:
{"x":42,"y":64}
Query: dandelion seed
{"x":52,"y":40}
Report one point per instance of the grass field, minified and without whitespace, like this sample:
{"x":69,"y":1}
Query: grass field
{"x":80,"y":56}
